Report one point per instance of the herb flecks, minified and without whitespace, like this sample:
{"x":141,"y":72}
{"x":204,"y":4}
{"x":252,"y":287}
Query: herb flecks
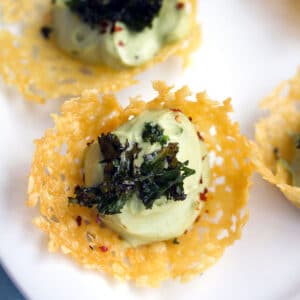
{"x":154,"y":133}
{"x":176,"y":242}
{"x":136,"y":14}
{"x":160,"y":174}
{"x":46,"y":32}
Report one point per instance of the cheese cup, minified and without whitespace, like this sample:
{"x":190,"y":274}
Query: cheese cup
{"x":76,"y":231}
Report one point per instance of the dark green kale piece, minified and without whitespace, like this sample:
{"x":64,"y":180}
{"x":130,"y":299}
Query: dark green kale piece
{"x":160,"y":174}
{"x":110,"y":195}
{"x":110,"y":146}
{"x":154,"y":133}
{"x":136,"y":14}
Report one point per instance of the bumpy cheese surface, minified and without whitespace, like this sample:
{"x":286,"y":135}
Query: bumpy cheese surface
{"x":274,"y":132}
{"x":57,"y":168}
{"x":41,"y":71}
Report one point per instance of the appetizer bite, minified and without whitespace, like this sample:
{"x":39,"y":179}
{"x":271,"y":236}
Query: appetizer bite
{"x":117,"y":33}
{"x":276,"y":152}
{"x":70,"y":45}
{"x":154,"y":191}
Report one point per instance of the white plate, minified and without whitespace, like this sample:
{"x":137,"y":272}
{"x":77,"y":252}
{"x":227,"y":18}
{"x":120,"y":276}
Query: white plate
{"x":248,"y":48}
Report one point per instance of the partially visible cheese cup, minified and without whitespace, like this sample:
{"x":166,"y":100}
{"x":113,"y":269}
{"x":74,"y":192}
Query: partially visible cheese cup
{"x":80,"y":48}
{"x":276,"y":149}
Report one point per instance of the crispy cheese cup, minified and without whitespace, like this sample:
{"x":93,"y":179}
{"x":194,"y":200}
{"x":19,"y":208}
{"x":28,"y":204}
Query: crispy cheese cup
{"x":57,"y":168}
{"x":41,"y":71}
{"x":272,"y":135}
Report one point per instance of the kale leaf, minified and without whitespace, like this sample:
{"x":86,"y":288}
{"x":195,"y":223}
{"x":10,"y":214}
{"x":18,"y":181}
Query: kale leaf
{"x":110,"y":146}
{"x":160,"y":174}
{"x":153,"y":133}
{"x":136,"y":14}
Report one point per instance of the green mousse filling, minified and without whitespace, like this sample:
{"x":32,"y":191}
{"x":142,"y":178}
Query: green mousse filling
{"x":115,"y":43}
{"x":143,"y":208}
{"x":293,"y":166}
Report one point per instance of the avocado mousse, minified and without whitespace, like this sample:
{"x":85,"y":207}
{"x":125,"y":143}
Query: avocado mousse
{"x":292,"y":166}
{"x":117,"y":33}
{"x":146,"y":178}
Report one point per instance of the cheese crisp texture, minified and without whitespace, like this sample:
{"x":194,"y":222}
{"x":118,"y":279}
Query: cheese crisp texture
{"x":76,"y":231}
{"x":274,"y":132}
{"x":41,"y":71}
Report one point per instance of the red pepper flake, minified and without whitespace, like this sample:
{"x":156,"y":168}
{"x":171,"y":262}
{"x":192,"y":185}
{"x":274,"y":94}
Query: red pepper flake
{"x":185,"y":232}
{"x":198,"y":218}
{"x":117,"y":28}
{"x":103,"y":248}
{"x":190,"y":118}
{"x":89,"y":143}
{"x":78,"y":220}
{"x":176,"y":110}
{"x":203,"y":195}
{"x":180,"y":5}
{"x":177,"y":119}
{"x":203,"y":157}
{"x":201,"y":180}
{"x":91,"y":247}
{"x":200,"y":136}
{"x":98,"y":220}
{"x":121,"y":44}
{"x":207,"y":211}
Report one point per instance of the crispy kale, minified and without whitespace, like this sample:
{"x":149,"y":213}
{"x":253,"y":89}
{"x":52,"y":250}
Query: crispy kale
{"x":136,"y":14}
{"x":160,"y":174}
{"x":153,"y":133}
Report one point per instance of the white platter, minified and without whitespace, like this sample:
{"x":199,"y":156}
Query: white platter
{"x":249,"y":46}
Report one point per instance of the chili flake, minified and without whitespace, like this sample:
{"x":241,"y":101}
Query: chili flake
{"x":176,"y":110}
{"x":203,"y":195}
{"x":103,"y":248}
{"x":200,"y":136}
{"x":78,"y":220}
{"x":117,"y":28}
{"x":177,"y":119}
{"x":180,"y":5}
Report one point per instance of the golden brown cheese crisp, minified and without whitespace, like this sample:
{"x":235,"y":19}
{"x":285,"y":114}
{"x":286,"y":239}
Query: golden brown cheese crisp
{"x":41,"y":71}
{"x":57,"y":168}
{"x":272,"y":134}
